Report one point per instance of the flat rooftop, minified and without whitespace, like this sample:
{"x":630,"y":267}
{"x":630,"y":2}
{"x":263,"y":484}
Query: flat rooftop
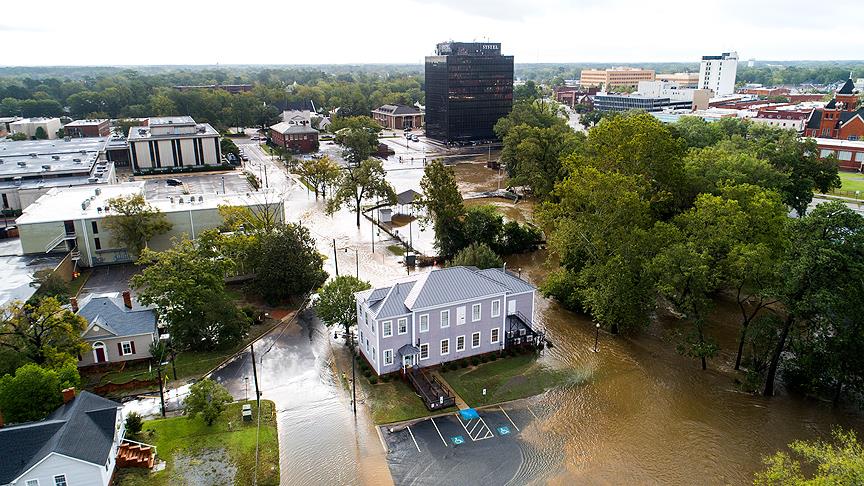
{"x":62,"y":204}
{"x":31,"y":158}
{"x":171,"y":120}
{"x":144,"y":133}
{"x":88,"y":122}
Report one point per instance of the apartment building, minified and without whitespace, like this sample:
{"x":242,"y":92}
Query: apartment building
{"x":444,"y":315}
{"x":620,"y":77}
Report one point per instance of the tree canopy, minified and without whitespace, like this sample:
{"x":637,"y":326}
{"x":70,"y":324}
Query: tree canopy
{"x":356,"y":184}
{"x":336,"y":304}
{"x":133,"y":222}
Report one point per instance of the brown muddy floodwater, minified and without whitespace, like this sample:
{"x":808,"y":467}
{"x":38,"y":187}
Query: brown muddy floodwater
{"x":650,"y":416}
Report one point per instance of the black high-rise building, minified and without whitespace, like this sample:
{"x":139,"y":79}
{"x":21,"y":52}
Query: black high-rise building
{"x":469,"y":86}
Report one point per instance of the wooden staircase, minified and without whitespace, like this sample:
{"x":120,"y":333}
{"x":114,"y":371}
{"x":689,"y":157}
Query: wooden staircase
{"x":135,"y":455}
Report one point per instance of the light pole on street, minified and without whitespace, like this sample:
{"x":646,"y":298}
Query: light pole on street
{"x":596,"y":337}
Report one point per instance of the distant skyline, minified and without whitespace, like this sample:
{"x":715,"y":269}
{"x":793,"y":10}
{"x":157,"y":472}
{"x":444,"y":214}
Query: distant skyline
{"x":389,"y":31}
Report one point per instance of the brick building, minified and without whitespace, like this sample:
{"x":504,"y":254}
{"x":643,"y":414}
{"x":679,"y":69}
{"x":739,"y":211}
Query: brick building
{"x":792,"y":119}
{"x":397,"y":117}
{"x":295,"y":138}
{"x":87,"y":128}
{"x":615,"y":77}
{"x":572,"y":96}
{"x":849,"y":154}
{"x":840,"y":119}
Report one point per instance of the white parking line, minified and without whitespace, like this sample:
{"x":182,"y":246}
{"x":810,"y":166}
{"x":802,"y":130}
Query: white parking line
{"x":532,"y":412}
{"x":508,"y":418}
{"x":439,"y":432}
{"x":489,"y":433}
{"x":463,"y":426}
{"x":412,"y":438}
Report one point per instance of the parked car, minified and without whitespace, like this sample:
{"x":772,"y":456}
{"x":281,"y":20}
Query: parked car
{"x":244,"y":157}
{"x":408,"y":135}
{"x":414,"y":138}
{"x":174,"y":182}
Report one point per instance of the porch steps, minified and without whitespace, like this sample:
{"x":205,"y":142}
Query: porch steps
{"x":135,"y":455}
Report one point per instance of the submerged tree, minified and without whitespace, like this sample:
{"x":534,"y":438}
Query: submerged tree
{"x":366,"y":180}
{"x":336,"y":304}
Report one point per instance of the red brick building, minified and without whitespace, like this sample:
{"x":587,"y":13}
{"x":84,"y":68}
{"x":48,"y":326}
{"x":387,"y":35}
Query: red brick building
{"x":572,"y":96}
{"x":397,"y":117}
{"x":87,"y":128}
{"x":767,"y":92}
{"x":295,"y":138}
{"x":840,"y":119}
{"x":849,"y":154}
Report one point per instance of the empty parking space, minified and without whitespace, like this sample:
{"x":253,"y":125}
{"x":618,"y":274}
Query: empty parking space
{"x":227,"y":182}
{"x":457,"y":449}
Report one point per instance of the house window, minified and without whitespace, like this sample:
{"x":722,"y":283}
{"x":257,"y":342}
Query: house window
{"x":388,"y":357}
{"x":445,"y":318}
{"x":460,"y":343}
{"x":475,"y":340}
{"x":424,"y":351}
{"x":475,"y":312}
{"x":367,"y":345}
{"x":460,"y":315}
{"x":495,"y":335}
{"x":60,"y":480}
{"x":373,"y":354}
{"x":126,"y":347}
{"x":97,"y":243}
{"x":94,"y":226}
{"x":445,"y":347}
{"x":387,"y":329}
{"x":32,"y":482}
{"x":424,"y":322}
{"x":496,"y":308}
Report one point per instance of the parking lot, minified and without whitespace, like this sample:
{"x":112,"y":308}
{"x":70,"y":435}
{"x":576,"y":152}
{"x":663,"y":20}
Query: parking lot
{"x":457,"y":449}
{"x":158,"y":188}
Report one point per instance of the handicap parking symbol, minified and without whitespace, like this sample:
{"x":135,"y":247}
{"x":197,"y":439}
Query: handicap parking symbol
{"x":457,"y":440}
{"x":503,"y":430}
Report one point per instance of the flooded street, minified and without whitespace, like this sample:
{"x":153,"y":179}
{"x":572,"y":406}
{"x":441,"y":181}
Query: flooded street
{"x":645,"y":415}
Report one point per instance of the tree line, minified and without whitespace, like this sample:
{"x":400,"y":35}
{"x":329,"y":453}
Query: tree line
{"x":642,"y":216}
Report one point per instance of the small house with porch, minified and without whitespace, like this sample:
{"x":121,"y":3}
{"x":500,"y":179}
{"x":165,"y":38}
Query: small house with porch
{"x":443,"y":315}
{"x":116,"y":332}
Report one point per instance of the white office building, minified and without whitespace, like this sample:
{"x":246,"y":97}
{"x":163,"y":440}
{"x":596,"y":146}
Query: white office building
{"x":717,"y":73}
{"x":29,"y":126}
{"x":173,"y":143}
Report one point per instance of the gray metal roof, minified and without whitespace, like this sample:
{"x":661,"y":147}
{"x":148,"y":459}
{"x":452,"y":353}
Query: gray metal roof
{"x":454,"y":284}
{"x":515,"y":284}
{"x":394,"y":304}
{"x":408,"y":197}
{"x":112,"y":315}
{"x":83,"y":428}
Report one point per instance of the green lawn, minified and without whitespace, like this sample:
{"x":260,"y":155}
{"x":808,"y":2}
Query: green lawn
{"x":852,"y":181}
{"x":397,"y":250}
{"x":505,"y":379}
{"x":183,"y":436}
{"x":395,"y":401}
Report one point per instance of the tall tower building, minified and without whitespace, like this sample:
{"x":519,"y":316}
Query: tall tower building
{"x":717,"y":73}
{"x":469,"y":87}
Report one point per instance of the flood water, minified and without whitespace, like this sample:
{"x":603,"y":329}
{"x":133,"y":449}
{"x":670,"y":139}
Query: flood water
{"x":645,"y":416}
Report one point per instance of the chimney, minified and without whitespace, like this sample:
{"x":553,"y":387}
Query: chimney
{"x":127,"y":299}
{"x":74,"y":303}
{"x":68,"y":395}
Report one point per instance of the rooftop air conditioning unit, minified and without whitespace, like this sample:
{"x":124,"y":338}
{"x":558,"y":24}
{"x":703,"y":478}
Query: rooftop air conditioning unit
{"x":32,"y":156}
{"x":92,"y":180}
{"x":171,"y":199}
{"x":98,"y":191}
{"x":200,"y":198}
{"x":84,"y":152}
{"x":46,"y":167}
{"x":180,"y":200}
{"x":77,"y":161}
{"x":22,"y":164}
{"x":55,"y":157}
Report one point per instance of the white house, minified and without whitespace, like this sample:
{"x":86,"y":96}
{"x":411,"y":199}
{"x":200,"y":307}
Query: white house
{"x":76,"y":445}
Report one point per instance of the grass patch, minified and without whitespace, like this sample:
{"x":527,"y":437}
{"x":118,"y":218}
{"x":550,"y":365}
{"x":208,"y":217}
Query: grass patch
{"x":394,"y":401}
{"x":852,"y":181}
{"x":505,"y":379}
{"x":397,"y":250}
{"x":181,"y":435}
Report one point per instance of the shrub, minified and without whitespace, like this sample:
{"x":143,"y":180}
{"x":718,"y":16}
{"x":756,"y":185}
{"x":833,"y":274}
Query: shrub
{"x":367,"y":373}
{"x":133,"y":424}
{"x":386,"y":378}
{"x":463,"y":363}
{"x":373,"y":380}
{"x":493,"y":357}
{"x":475,"y":361}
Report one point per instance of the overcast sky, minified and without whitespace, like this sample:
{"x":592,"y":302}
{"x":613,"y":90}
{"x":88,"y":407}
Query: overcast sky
{"x":89,"y":32}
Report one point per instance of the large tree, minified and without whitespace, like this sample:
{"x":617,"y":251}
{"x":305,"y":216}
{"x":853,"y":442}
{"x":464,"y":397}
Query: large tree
{"x":443,"y":207}
{"x":477,"y":255}
{"x":133,"y":222}
{"x":358,"y":135}
{"x":41,"y":330}
{"x":840,"y":462}
{"x":823,"y":261}
{"x":186,"y":284}
{"x":34,"y":391}
{"x":319,"y":172}
{"x":336,"y":304}
{"x":533,"y":155}
{"x":285,"y":263}
{"x":364,"y":181}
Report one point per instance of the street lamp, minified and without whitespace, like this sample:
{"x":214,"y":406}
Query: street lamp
{"x":596,"y":336}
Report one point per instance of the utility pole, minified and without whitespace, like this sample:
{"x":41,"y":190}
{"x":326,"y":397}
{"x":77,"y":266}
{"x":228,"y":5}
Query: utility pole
{"x":161,"y":389}
{"x":373,"y":230}
{"x":335,"y":258}
{"x":357,"y":263}
{"x":255,"y":375}
{"x":266,"y":183}
{"x":353,"y":377}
